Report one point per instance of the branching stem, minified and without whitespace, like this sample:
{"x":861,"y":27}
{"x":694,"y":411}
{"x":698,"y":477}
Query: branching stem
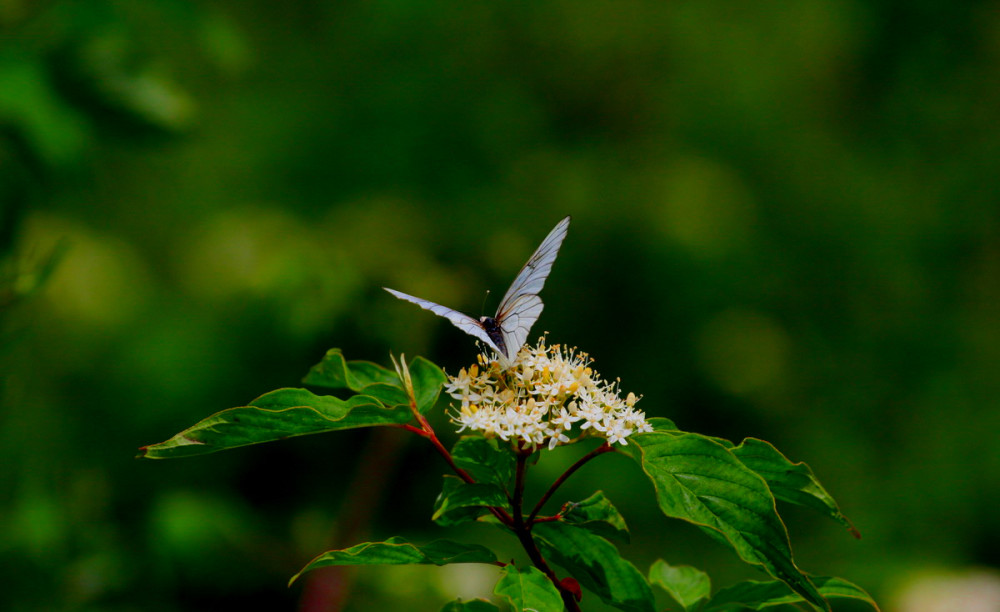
{"x":523,"y":532}
{"x":515,"y":520}
{"x":426,"y":431}
{"x":600,"y":450}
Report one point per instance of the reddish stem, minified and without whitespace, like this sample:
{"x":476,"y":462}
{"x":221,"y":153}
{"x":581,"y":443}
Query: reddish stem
{"x":523,"y":532}
{"x":426,"y":431}
{"x":600,"y":450}
{"x":516,"y":520}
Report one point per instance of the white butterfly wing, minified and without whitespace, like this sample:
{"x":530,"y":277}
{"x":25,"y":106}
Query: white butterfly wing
{"x":462,"y":321}
{"x":521,"y":306}
{"x":531,"y":278}
{"x":516,"y":323}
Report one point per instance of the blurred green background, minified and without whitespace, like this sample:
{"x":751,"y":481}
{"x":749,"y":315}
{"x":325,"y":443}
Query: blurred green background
{"x":785,"y":225}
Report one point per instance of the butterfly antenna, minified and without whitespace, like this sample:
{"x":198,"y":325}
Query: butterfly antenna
{"x":483,"y":307}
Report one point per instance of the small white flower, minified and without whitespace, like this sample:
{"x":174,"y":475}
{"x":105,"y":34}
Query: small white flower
{"x":541,"y":396}
{"x":563,"y":419}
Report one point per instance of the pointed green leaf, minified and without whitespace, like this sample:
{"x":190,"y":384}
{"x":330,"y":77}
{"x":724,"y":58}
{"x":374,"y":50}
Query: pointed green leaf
{"x":427,"y":382}
{"x":598,"y":515}
{"x":484,"y":459}
{"x":791,"y":482}
{"x":461,"y":502}
{"x":596,"y":564}
{"x":389,"y":395}
{"x":701,"y":481}
{"x":756,"y":595}
{"x":368,"y":378}
{"x":528,"y":590}
{"x":335,"y":372}
{"x":399,"y":551}
{"x":274,"y":416}
{"x":686,"y":585}
{"x":473,"y":605}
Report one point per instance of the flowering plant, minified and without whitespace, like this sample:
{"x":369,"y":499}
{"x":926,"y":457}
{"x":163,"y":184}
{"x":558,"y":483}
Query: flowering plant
{"x":512,"y":412}
{"x":535,"y":401}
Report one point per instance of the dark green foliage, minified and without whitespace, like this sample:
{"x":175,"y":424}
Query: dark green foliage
{"x":787,"y":229}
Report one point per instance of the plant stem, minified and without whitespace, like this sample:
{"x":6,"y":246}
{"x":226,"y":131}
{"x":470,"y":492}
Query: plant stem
{"x":523,"y":532}
{"x":516,"y":522}
{"x":426,"y":431}
{"x":600,"y":450}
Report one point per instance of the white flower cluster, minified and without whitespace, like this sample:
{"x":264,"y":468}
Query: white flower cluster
{"x":536,"y":400}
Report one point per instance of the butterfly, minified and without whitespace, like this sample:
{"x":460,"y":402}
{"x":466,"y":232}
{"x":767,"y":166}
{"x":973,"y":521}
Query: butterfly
{"x":506,"y":331}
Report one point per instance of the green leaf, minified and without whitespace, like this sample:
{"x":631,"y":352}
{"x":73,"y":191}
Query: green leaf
{"x":427,"y":382}
{"x":700,"y":481}
{"x":661,"y":424}
{"x":791,"y":482}
{"x":596,"y":564}
{"x":473,"y":605}
{"x":274,"y":416}
{"x":760,"y":595}
{"x":461,"y":502}
{"x":368,"y":378}
{"x":335,"y":372}
{"x":389,"y":395}
{"x":838,"y":588}
{"x":597,"y":515}
{"x":484,"y":459}
{"x":529,"y":590}
{"x":686,"y":585}
{"x":364,"y":377}
{"x":399,"y":551}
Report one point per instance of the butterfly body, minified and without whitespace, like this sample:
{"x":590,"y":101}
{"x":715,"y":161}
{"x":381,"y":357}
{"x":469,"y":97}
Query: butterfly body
{"x":493,"y":330}
{"x":520,"y":307}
